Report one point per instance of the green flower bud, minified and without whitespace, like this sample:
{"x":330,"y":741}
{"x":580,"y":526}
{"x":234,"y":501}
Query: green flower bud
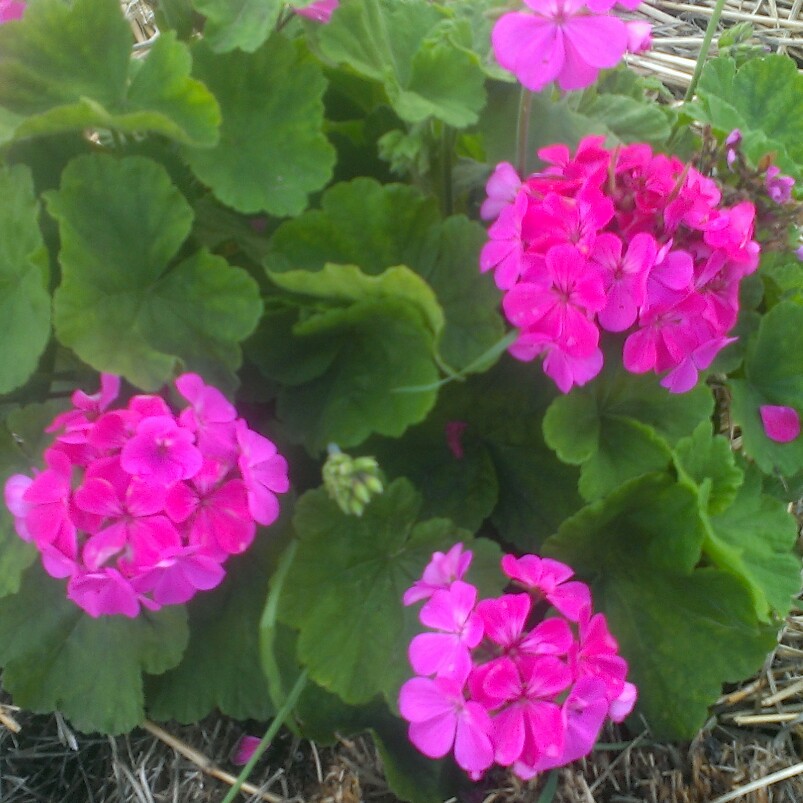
{"x":351,"y":481}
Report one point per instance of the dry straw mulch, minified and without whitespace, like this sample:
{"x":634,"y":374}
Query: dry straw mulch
{"x":750,"y":751}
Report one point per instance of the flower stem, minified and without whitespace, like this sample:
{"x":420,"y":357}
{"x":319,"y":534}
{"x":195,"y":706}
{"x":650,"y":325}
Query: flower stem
{"x":523,"y":131}
{"x":704,"y":48}
{"x":270,"y":733}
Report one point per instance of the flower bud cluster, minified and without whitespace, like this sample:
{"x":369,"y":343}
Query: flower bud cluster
{"x":351,"y":481}
{"x":620,"y":240}
{"x":525,"y":680}
{"x":140,"y":506}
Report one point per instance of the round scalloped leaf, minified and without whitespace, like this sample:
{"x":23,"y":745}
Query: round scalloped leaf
{"x":773,"y":374}
{"x":272,"y":151}
{"x":620,"y":427}
{"x":376,"y":226}
{"x":119,"y":306}
{"x":68,"y":68}
{"x":24,"y":298}
{"x":358,"y":393}
{"x":243,"y":24}
{"x":409,"y":47}
{"x":57,"y":658}
{"x":641,"y":546}
{"x":344,"y":589}
{"x":758,"y":536}
{"x":705,"y":457}
{"x":763,"y":99}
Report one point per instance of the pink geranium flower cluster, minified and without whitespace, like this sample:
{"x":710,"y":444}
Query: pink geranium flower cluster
{"x":568,"y":41}
{"x":497,"y":681}
{"x":140,"y":506}
{"x":620,"y":240}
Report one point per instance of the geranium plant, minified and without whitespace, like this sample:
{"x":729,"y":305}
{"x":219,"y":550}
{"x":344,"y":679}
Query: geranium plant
{"x":312,"y":254}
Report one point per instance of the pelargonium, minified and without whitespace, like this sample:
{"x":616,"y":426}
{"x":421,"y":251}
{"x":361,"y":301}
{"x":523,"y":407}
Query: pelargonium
{"x":525,"y":680}
{"x":140,"y":506}
{"x":568,"y":41}
{"x":620,"y":240}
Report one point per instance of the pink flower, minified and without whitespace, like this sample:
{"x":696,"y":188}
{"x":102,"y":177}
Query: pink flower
{"x":639,"y":36}
{"x":505,"y":251}
{"x":443,"y":570}
{"x":561,"y":40}
{"x":440,"y":717}
{"x":11,"y":10}
{"x":624,"y":277}
{"x":210,"y":416}
{"x":264,"y":472}
{"x":244,"y":749}
{"x":779,"y":188}
{"x":161,"y":451}
{"x":103,"y":593}
{"x":319,"y":10}
{"x":781,"y":424}
{"x":501,"y":189}
{"x":564,"y":369}
{"x":214,"y":513}
{"x":454,"y":434}
{"x":560,"y":310}
{"x":549,"y":578}
{"x":451,"y":612}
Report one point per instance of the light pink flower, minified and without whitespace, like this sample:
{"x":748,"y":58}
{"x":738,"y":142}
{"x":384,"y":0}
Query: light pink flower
{"x":781,"y":424}
{"x":210,"y":416}
{"x":319,"y":10}
{"x":779,"y":187}
{"x":103,"y":593}
{"x":501,"y":190}
{"x":440,"y":573}
{"x":561,"y":40}
{"x":639,"y":36}
{"x":11,"y":10}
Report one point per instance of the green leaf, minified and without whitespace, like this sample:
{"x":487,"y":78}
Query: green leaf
{"x":413,"y":49}
{"x":24,"y":299}
{"x":641,"y":546}
{"x":620,"y":427}
{"x":56,"y":657}
{"x":705,"y":457}
{"x":221,"y":667}
{"x":355,"y":396}
{"x":759,"y":536}
{"x":68,"y":68}
{"x":376,"y":226}
{"x":502,"y":410}
{"x":272,"y":151}
{"x":243,"y":24}
{"x":361,"y":222}
{"x":342,"y":284}
{"x":773,"y":374}
{"x":463,"y":489}
{"x":119,"y":306}
{"x":354,"y":630}
{"x":763,"y":99}
{"x":629,"y":119}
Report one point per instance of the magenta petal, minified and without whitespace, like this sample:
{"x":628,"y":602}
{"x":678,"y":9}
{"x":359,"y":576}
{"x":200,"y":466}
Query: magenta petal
{"x":623,"y":704}
{"x":244,"y":749}
{"x":571,"y":599}
{"x":508,"y":735}
{"x":473,"y":750}
{"x":781,"y":424}
{"x":434,"y":737}
{"x":602,"y":40}
{"x":421,"y":699}
{"x":530,"y":47}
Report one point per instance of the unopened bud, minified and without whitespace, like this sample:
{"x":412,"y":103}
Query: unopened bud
{"x":351,"y":481}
